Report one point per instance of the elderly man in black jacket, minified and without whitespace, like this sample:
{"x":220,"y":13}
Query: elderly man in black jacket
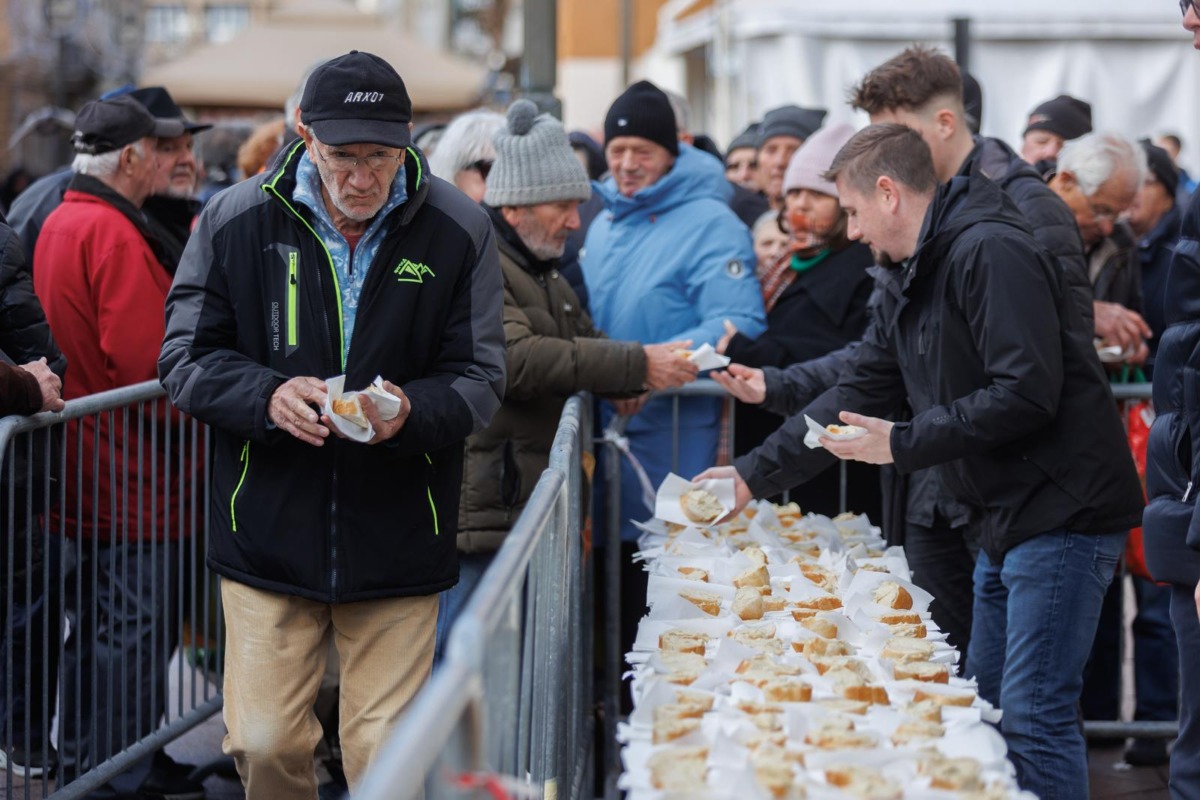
{"x":978,"y":335}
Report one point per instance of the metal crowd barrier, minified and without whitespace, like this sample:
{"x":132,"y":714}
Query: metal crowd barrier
{"x":510,"y":705}
{"x":104,"y":512}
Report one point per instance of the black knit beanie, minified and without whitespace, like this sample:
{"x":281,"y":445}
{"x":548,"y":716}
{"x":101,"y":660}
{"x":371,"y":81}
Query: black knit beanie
{"x":643,"y":110}
{"x":1065,"y":116}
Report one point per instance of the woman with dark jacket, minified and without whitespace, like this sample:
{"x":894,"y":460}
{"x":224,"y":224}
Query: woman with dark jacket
{"x":816,"y":300}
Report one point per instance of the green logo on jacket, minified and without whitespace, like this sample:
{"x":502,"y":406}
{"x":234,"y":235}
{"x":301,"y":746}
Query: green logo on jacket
{"x":412,"y":272}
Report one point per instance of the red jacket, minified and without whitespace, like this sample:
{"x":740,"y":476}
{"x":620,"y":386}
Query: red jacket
{"x":104,"y":292}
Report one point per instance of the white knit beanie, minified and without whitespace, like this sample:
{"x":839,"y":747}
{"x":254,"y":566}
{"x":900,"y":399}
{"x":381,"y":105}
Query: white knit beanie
{"x":814,"y":157}
{"x":534,"y":162}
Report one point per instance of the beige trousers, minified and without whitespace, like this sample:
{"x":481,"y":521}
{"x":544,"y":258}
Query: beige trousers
{"x":275,"y":656}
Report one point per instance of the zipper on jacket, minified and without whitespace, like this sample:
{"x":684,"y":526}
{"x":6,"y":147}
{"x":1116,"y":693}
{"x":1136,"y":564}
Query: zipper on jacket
{"x":340,"y":357}
{"x":429,"y":495}
{"x":293,"y":290}
{"x":245,"y":459}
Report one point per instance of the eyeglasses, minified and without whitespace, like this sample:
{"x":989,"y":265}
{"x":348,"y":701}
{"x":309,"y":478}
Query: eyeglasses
{"x":1184,"y":5}
{"x":350,"y":163}
{"x":1106,"y":215}
{"x":483,"y":166}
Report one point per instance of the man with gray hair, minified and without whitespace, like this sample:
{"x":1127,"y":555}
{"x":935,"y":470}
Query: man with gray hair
{"x":554,"y":349}
{"x":102,"y":281}
{"x":1097,"y":176}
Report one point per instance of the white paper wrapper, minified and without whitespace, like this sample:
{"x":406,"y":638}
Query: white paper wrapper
{"x":348,"y":429}
{"x":386,"y":403}
{"x":666,"y":502}
{"x":705,"y":358}
{"x":816,"y":430}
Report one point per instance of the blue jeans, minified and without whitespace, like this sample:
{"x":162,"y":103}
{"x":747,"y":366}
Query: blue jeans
{"x":451,"y":602}
{"x":1034,"y":621}
{"x":1185,"y":756}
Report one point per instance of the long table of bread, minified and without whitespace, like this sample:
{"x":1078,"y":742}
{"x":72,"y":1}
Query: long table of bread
{"x":789,"y":655}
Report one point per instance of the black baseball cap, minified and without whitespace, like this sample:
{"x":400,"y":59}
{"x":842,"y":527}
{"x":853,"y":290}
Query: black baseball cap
{"x":161,"y":105}
{"x":357,"y":98}
{"x":103,"y":126}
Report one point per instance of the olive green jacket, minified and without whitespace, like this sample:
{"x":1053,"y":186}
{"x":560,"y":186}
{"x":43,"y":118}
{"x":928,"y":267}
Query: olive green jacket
{"x":554,"y":351}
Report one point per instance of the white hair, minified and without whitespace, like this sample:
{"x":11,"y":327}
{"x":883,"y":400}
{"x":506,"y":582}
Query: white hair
{"x":1096,"y":157}
{"x":104,"y":165}
{"x":767,"y":218}
{"x":682,"y":110}
{"x":467,"y":139}
{"x":293,"y":101}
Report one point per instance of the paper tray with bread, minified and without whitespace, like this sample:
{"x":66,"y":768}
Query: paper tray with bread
{"x":787,"y":655}
{"x":344,"y":408}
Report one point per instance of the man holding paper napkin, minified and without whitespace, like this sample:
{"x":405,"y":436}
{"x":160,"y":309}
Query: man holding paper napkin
{"x":346,"y":258}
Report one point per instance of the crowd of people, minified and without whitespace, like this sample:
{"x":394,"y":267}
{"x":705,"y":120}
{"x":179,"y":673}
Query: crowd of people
{"x":949,"y":293}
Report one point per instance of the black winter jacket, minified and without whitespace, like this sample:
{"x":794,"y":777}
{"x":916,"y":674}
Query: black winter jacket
{"x":979,"y":333}
{"x":24,"y":332}
{"x":256,"y":302}
{"x":1155,"y":251}
{"x":1171,"y":525}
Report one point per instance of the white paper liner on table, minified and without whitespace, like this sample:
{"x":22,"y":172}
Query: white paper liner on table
{"x":861,"y":591}
{"x":816,"y":430}
{"x":705,"y":357}
{"x":666,"y":501}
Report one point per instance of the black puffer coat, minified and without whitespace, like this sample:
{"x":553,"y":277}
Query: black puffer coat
{"x":1171,"y":525}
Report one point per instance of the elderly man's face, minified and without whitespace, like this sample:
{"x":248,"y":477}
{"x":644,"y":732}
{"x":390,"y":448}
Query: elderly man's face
{"x":176,"y":167}
{"x":357,"y":177}
{"x":1096,"y":213}
{"x":636,"y":163}
{"x":143,"y":171}
{"x":544,"y":227}
{"x":773,"y":158}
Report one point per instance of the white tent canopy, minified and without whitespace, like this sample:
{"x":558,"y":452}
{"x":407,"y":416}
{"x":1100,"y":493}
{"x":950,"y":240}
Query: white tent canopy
{"x":1132,"y":61}
{"x":263,"y":64}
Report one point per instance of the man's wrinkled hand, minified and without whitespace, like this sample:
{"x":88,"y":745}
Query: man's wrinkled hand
{"x":291,"y":409}
{"x":49,"y":384}
{"x":741,"y":492}
{"x":873,"y":448}
{"x":666,"y":368}
{"x":1117,"y":325}
{"x":745,"y":383}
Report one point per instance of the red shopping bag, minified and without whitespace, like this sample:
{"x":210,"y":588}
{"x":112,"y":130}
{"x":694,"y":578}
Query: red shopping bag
{"x":1139,"y":417}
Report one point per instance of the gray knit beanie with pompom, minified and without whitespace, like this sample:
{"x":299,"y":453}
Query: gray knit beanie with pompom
{"x":534,"y":162}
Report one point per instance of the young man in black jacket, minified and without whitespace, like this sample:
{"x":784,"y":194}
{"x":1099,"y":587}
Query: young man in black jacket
{"x":978,"y":335}
{"x":346,"y":257}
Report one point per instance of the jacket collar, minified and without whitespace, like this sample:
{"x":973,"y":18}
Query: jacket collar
{"x":282,"y":182}
{"x":94,"y":187}
{"x":694,"y":175}
{"x":510,"y":242}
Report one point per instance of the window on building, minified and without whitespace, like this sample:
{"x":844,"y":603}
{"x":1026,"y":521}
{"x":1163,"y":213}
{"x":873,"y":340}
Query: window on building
{"x":222,"y":23}
{"x":166,"y":24}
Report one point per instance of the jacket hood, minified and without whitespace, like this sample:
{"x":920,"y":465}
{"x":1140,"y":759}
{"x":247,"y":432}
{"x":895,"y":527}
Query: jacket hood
{"x":961,"y":203}
{"x":282,"y":178}
{"x":999,"y":162}
{"x":694,"y":175}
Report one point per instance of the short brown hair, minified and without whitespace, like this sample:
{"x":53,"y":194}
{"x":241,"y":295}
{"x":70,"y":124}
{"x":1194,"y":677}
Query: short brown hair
{"x":908,"y":81}
{"x":888,"y":149}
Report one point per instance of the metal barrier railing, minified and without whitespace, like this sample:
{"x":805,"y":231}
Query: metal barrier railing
{"x":104,"y":512}
{"x":511,"y":701}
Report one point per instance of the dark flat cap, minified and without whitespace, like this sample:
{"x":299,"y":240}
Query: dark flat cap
{"x":103,"y":126}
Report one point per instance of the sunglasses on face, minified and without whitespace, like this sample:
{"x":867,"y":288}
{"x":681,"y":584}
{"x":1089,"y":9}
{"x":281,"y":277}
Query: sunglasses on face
{"x":483,"y":166}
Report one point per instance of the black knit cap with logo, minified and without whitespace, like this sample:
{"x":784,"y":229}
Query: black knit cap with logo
{"x":357,"y":99}
{"x":643,"y":110}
